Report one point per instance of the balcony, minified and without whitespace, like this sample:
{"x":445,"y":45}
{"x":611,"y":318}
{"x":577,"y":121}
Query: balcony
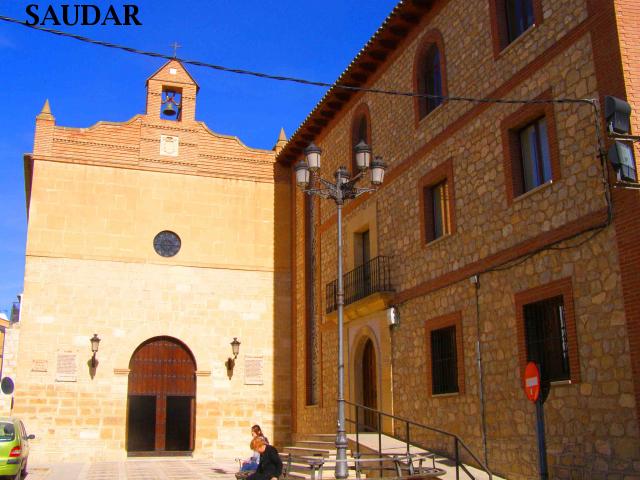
{"x":367,"y":288}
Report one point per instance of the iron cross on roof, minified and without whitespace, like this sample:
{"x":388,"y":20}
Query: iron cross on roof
{"x":175,"y":46}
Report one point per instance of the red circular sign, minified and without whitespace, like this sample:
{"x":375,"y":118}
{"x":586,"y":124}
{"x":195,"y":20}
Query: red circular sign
{"x":532,"y":381}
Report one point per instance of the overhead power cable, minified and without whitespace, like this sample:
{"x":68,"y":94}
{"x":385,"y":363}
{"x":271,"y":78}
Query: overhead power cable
{"x":593,"y":103}
{"x":284,"y":78}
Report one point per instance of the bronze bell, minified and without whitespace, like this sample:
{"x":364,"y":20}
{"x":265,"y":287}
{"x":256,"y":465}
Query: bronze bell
{"x":169,"y":110}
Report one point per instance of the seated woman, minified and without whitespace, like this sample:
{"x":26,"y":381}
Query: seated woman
{"x":270,"y":465}
{"x":252,"y":463}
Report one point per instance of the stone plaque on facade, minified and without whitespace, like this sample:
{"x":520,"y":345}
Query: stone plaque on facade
{"x":253,"y":367}
{"x":66,"y":370}
{"x":169,"y":145}
{"x":39,"y":365}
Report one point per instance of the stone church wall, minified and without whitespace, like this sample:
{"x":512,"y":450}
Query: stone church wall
{"x":97,"y":197}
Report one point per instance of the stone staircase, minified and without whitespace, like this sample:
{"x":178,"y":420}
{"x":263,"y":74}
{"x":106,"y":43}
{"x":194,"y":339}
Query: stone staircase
{"x":320,"y":448}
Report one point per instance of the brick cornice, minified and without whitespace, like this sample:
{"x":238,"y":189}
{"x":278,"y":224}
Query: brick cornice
{"x":531,"y":245}
{"x":176,"y":167}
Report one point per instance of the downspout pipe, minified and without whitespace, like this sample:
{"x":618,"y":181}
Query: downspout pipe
{"x":476,"y":281}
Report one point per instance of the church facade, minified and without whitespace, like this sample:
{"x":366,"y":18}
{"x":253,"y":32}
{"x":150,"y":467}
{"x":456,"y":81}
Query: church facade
{"x":168,"y":242}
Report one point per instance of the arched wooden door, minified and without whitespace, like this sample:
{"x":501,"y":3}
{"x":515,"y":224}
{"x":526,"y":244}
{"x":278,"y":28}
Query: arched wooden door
{"x":369,"y":386}
{"x":161,"y":398}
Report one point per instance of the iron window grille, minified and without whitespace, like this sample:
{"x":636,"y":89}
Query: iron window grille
{"x":546,"y":338}
{"x":444,"y":361}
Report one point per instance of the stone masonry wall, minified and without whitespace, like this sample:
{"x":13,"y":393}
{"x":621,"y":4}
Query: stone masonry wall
{"x":592,"y":425}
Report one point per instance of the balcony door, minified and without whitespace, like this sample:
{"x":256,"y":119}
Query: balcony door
{"x":161,"y":399}
{"x":362,"y":259}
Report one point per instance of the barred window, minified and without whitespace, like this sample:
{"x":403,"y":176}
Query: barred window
{"x":444,"y":361}
{"x":546,"y":338}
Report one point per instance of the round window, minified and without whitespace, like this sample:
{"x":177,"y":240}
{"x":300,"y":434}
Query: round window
{"x":166,"y":243}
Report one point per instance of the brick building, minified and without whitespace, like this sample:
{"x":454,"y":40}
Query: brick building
{"x":493,"y":223}
{"x":168,"y":241}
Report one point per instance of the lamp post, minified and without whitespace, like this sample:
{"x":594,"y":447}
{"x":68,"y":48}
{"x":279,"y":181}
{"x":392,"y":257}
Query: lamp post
{"x":344,"y":188}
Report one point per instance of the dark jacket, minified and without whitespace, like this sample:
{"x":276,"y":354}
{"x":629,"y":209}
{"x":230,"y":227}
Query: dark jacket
{"x":270,"y":465}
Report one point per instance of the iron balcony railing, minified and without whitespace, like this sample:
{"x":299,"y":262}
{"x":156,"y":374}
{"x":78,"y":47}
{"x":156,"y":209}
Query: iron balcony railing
{"x":371,"y":277}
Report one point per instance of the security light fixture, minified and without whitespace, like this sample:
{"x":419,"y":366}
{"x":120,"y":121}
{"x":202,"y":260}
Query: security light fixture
{"x":623,"y":161}
{"x":617,"y":114}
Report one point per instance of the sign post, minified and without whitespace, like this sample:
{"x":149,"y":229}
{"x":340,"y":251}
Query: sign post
{"x":532,"y":386}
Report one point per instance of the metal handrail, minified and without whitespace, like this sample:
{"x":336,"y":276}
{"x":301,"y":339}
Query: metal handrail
{"x":371,"y":277}
{"x":457,"y":441}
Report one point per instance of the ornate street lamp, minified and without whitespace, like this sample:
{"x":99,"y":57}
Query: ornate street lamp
{"x":307,"y":176}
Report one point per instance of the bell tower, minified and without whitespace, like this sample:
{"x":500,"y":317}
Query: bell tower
{"x":171,"y":93}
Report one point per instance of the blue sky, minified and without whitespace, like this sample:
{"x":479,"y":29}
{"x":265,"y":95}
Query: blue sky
{"x":86,"y":83}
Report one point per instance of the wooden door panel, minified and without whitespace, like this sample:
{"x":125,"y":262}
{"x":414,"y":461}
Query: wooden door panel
{"x":369,"y":385}
{"x":159,"y":368}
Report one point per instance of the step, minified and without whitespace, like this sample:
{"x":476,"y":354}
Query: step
{"x":315,"y":451}
{"x":316,"y":443}
{"x":322,"y":436}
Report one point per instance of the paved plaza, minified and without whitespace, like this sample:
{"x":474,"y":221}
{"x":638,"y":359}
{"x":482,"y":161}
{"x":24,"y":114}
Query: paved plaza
{"x":136,"y":469}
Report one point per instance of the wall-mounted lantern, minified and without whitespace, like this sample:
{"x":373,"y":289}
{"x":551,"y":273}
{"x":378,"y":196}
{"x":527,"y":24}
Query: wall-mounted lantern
{"x":95,"y":344}
{"x":231,"y":362}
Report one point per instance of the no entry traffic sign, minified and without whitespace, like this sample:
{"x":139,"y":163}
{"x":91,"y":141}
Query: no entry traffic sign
{"x":532,"y":381}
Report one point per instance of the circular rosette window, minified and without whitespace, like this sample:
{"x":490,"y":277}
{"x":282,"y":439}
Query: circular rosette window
{"x":167,"y":243}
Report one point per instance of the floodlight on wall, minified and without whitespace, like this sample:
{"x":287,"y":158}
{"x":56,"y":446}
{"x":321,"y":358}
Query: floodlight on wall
{"x":617,"y":113}
{"x":623,"y":161}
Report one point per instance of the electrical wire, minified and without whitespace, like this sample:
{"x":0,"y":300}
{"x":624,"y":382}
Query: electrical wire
{"x":284,"y":78}
{"x":504,"y":266}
